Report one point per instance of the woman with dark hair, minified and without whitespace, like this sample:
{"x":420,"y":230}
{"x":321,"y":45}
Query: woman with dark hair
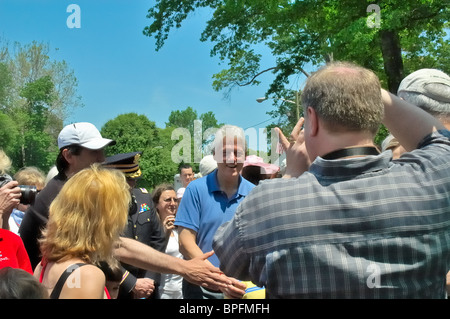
{"x":166,"y":203}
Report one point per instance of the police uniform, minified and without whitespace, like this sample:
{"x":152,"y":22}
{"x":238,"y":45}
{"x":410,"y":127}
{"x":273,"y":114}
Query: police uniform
{"x":143,"y":222}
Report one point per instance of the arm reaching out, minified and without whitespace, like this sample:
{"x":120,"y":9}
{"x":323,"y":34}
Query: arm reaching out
{"x":197,"y":270}
{"x":408,"y":123}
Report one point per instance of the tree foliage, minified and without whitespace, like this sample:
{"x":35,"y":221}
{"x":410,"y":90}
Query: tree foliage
{"x":187,"y":119}
{"x":36,"y":143}
{"x":136,"y":133}
{"x":411,"y":35}
{"x":36,"y":96}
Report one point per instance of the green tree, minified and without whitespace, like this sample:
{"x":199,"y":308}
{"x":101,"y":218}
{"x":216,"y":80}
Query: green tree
{"x":8,"y":134}
{"x":131,"y":131}
{"x":5,"y":83}
{"x":136,"y":133}
{"x":183,"y":118}
{"x":410,"y":34}
{"x":402,"y":37}
{"x":8,"y":129}
{"x":31,"y":62}
{"x":36,"y":95}
{"x":198,"y":127}
{"x":35,"y":143}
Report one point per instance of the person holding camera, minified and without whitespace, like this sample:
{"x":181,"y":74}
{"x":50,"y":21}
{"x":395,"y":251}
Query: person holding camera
{"x":9,"y":191}
{"x":31,"y":181}
{"x":12,"y":250}
{"x":9,"y":199}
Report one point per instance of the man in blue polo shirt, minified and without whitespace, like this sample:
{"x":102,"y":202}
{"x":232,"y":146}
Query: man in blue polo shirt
{"x":211,"y":201}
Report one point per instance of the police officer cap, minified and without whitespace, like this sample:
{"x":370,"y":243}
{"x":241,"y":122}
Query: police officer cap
{"x":128,"y":163}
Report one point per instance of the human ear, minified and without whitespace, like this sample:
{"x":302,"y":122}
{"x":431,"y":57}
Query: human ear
{"x":312,"y":121}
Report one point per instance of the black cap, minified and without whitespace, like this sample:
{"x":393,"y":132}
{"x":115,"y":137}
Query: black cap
{"x":128,"y":163}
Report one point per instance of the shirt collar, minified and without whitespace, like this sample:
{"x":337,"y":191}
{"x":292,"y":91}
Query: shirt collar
{"x":213,"y":185}
{"x":348,"y":167}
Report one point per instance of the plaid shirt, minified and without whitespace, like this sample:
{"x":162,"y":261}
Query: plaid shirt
{"x":348,"y":228}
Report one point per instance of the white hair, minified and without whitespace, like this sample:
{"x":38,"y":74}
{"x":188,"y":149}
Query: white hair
{"x":230,"y":133}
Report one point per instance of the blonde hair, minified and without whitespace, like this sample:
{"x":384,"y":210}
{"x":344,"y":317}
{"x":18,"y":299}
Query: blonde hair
{"x":87,"y":217}
{"x":30,"y":176}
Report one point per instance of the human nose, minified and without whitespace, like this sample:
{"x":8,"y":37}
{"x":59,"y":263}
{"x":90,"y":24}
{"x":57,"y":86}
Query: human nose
{"x":230,"y":158}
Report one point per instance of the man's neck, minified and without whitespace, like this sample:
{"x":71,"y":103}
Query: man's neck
{"x":345,"y":140}
{"x":228,"y":184}
{"x":70,"y":172}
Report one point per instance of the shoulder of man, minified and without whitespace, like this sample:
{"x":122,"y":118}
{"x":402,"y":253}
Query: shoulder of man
{"x":45,"y":197}
{"x":143,"y":199}
{"x":141,"y":191}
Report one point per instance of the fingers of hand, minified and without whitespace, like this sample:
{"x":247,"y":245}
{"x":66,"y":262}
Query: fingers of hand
{"x":296,"y":135}
{"x":169,"y":221}
{"x":285,"y":143}
{"x":297,"y":132}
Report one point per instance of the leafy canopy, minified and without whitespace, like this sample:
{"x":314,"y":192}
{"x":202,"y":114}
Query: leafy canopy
{"x":310,"y":32}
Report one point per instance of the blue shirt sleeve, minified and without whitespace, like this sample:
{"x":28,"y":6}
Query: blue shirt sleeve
{"x":188,"y":214}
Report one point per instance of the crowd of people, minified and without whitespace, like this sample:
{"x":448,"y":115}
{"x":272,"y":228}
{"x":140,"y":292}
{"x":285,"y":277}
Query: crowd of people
{"x":345,"y":218}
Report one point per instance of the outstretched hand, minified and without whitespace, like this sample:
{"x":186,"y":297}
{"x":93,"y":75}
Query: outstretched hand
{"x":297,"y":159}
{"x":202,"y":273}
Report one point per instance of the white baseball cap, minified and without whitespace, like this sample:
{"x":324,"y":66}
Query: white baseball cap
{"x":83,"y":134}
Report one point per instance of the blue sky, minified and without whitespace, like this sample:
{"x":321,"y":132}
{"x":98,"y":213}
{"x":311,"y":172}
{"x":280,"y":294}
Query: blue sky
{"x":118,"y":69}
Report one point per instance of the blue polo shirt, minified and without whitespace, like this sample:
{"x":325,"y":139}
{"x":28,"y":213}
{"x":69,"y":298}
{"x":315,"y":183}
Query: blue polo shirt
{"x":205,"y":207}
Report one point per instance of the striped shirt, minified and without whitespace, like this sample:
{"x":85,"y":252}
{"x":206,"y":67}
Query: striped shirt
{"x":368,"y":227}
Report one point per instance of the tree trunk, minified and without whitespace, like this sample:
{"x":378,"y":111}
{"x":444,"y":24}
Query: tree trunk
{"x":392,"y":57}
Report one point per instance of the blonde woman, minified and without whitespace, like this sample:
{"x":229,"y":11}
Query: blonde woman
{"x":85,"y":221}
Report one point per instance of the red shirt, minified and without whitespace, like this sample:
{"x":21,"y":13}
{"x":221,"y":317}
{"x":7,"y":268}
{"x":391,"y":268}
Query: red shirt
{"x":12,"y":252}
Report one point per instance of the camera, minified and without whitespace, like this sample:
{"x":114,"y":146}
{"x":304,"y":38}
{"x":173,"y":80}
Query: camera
{"x":28,"y":192}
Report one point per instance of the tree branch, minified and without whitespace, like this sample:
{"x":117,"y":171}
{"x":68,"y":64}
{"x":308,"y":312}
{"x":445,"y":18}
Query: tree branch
{"x":255,"y":76}
{"x":264,"y":71}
